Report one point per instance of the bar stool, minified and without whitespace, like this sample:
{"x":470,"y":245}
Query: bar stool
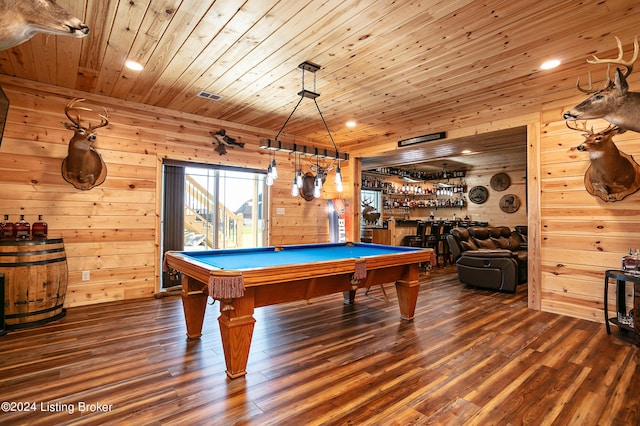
{"x":432,"y":239}
{"x":446,"y":252}
{"x":415,"y":240}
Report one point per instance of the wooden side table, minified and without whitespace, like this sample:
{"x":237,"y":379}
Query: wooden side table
{"x":622,"y":278}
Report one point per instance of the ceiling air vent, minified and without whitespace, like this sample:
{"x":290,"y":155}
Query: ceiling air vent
{"x":207,"y":95}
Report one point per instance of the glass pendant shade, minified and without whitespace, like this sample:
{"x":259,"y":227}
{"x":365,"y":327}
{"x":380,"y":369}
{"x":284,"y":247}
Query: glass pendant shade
{"x":338,"y":180}
{"x":299,"y":178}
{"x":317,"y":186}
{"x":269,"y":178}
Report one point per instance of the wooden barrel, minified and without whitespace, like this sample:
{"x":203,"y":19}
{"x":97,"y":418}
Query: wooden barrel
{"x":35,"y":279}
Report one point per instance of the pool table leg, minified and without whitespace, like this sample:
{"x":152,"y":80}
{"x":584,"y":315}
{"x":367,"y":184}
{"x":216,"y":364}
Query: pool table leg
{"x":194,"y":303}
{"x":236,"y":330}
{"x":407,"y":298}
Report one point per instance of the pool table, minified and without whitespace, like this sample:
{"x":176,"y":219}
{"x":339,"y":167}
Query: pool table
{"x":243,"y":279}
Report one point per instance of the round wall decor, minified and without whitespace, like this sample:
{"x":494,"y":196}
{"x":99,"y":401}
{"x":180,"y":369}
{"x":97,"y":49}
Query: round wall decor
{"x":500,"y":181}
{"x":509,"y":203}
{"x":478,"y":194}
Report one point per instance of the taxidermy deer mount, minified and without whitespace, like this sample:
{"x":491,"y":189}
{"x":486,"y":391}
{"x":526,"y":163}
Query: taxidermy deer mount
{"x":83,"y":167}
{"x":224,"y":141}
{"x":309,"y":181}
{"x":20,"y":20}
{"x":612,"y":174}
{"x":369,"y":212}
{"x":614,"y":102}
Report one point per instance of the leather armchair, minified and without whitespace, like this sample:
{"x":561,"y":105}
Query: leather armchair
{"x":489,"y":257}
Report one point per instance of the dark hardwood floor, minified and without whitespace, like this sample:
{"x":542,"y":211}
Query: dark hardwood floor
{"x":469,"y":357}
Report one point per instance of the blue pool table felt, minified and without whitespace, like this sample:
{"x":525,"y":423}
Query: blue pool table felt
{"x":265,"y":257}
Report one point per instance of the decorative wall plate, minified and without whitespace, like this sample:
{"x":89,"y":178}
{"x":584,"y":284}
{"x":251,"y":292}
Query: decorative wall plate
{"x":509,"y":203}
{"x":500,"y":181}
{"x":478,"y":194}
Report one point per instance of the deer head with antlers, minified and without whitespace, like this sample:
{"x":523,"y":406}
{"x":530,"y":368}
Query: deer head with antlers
{"x":83,"y":167}
{"x":22,"y":19}
{"x":369,"y":212}
{"x":614,"y":103}
{"x":612,"y":174}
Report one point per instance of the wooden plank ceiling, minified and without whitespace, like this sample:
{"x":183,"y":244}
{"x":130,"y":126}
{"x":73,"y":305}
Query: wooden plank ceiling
{"x":397,"y":68}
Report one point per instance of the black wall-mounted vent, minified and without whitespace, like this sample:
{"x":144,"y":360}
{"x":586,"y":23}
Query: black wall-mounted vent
{"x":420,"y":139}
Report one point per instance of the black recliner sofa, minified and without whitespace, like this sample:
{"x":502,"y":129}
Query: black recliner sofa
{"x":491,"y":257}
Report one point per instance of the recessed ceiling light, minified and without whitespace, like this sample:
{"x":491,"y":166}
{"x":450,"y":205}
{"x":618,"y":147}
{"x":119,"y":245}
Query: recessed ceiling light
{"x":467,"y":151}
{"x":351,"y":124}
{"x":550,"y":64}
{"x":133,"y":65}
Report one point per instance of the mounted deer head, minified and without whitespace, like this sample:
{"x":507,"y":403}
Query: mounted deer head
{"x":309,"y":180}
{"x":83,"y":167}
{"x":612,"y":174}
{"x":614,"y":102}
{"x":366,"y":206}
{"x":22,"y":19}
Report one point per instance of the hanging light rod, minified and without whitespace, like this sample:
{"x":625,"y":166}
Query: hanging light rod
{"x":303,"y":149}
{"x":310,"y":67}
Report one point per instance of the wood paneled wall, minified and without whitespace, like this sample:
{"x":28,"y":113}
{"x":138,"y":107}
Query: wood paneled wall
{"x":113,"y":230}
{"x":581,"y":235}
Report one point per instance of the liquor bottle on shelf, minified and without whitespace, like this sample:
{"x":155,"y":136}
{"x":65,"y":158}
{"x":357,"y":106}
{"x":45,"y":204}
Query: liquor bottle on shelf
{"x":22,"y":229}
{"x":7,"y":229}
{"x":39,"y":229}
{"x":631,"y":263}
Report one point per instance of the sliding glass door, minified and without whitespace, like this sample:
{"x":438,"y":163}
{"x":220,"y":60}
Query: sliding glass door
{"x":223,"y":209}
{"x":212,"y":208}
